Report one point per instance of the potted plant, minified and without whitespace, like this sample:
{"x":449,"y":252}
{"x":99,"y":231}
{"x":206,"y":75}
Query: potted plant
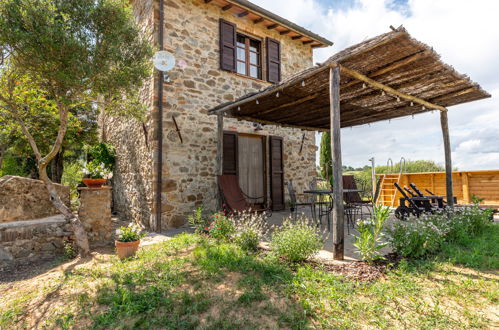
{"x":128,"y":240}
{"x":96,"y":174}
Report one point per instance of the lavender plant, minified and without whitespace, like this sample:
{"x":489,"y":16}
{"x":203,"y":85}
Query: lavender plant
{"x":250,"y":229}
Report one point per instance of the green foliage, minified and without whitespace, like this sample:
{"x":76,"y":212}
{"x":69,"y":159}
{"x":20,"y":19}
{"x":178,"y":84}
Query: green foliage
{"x":296,"y":240}
{"x":427,"y":234}
{"x":250,"y":229}
{"x":103,"y":153}
{"x":71,"y":177}
{"x":13,"y":165}
{"x":412,"y":166}
{"x":130,"y":233}
{"x":325,"y":156}
{"x":70,"y":250}
{"x":221,"y":227}
{"x":198,"y":221}
{"x":476,"y":199}
{"x":368,"y":242}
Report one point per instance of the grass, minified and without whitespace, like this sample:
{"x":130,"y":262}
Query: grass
{"x":194,"y":282}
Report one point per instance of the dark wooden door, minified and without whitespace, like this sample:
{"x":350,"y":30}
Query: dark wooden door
{"x":276,"y":173}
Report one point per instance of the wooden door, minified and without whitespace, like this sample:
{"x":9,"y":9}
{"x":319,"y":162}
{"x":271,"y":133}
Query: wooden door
{"x":276,"y":173}
{"x":251,"y":166}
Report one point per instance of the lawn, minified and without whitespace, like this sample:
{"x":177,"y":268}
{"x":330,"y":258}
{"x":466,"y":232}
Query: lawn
{"x":192,"y":281}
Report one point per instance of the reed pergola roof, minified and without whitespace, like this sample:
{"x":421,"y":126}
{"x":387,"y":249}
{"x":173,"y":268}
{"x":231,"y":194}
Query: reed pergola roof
{"x":389,"y":76}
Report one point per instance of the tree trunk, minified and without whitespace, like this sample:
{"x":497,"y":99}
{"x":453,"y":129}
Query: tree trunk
{"x":57,"y":167}
{"x":79,"y":232}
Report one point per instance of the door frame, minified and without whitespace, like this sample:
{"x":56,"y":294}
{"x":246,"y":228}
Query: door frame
{"x":264,"y":159}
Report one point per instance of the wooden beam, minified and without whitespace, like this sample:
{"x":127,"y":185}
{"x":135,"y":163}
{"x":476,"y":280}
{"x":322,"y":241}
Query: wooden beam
{"x":207,"y":1}
{"x":316,"y":46}
{"x":272,"y":26}
{"x":359,"y":76}
{"x":466,"y":188}
{"x":288,"y":104}
{"x":444,"y":121}
{"x":258,"y":20}
{"x":392,"y":67}
{"x":338,"y":214}
{"x":220,"y":150}
{"x":276,"y":123}
{"x":308,"y":42}
{"x":284,"y":32}
{"x":296,"y":37}
{"x":244,"y":13}
{"x":227,"y":7}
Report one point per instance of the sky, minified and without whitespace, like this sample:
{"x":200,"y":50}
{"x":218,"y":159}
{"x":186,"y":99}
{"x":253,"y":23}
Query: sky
{"x":466,"y":35}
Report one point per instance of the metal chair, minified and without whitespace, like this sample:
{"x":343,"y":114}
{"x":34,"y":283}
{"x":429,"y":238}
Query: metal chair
{"x":293,"y":201}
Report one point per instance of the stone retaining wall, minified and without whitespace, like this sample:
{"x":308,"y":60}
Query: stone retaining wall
{"x":25,"y":198}
{"x":95,"y":214}
{"x":24,"y":241}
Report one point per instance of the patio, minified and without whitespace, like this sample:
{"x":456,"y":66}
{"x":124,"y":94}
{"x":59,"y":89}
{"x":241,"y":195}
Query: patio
{"x":392,"y":75}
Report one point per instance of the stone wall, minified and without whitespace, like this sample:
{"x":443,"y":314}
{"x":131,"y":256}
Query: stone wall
{"x":27,"y":199}
{"x":95,"y":214}
{"x":132,"y":181}
{"x":189,"y":174}
{"x":25,"y":241}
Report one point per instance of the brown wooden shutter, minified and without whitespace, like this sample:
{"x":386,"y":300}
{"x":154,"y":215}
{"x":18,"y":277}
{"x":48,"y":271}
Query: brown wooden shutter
{"x":276,"y":173}
{"x":230,"y":156}
{"x":227,"y":45}
{"x":273,"y":60}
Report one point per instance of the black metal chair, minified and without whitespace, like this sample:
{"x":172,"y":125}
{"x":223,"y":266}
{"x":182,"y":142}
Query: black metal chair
{"x":294,"y":204}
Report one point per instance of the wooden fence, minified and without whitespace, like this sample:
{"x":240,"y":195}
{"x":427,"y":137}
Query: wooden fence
{"x":484,"y":184}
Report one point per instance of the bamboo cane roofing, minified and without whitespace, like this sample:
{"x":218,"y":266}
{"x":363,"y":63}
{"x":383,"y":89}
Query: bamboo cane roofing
{"x":394,"y":59}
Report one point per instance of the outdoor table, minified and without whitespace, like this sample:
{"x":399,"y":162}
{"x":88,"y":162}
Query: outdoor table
{"x":322,"y":206}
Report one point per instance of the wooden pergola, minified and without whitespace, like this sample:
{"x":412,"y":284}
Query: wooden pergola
{"x":386,"y":77}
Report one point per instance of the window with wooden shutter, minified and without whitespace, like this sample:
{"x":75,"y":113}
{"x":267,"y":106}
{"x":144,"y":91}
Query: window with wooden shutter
{"x":227,"y":46}
{"x":273,"y":60}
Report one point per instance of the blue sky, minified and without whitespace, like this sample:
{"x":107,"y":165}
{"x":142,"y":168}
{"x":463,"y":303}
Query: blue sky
{"x":463,"y":32}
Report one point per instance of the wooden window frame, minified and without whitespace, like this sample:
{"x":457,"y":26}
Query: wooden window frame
{"x":247,"y":52}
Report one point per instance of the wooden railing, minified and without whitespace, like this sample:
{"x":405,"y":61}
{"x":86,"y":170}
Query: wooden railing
{"x":483,"y":184}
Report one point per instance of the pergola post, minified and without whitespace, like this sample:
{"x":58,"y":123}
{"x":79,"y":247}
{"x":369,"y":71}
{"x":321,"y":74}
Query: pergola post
{"x":338,"y":215}
{"x":444,"y":121}
{"x":220,"y":151}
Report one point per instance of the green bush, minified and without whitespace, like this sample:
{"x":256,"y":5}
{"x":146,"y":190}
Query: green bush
{"x":297,"y":240}
{"x":102,"y":153}
{"x":71,"y":177}
{"x":250,"y":229}
{"x":221,"y":227}
{"x":368,"y":242}
{"x":130,"y":233}
{"x":198,"y":222}
{"x":425,"y":235}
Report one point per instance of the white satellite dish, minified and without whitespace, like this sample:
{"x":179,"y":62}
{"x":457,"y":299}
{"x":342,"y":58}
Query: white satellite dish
{"x":163,"y":60}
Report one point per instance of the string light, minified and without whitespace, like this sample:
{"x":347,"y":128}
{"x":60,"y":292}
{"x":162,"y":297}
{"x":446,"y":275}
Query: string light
{"x":238,"y":108}
{"x":277,"y":94}
{"x":303,"y":83}
{"x":398,"y":99}
{"x":382,"y":93}
{"x":412,"y":104}
{"x":363,"y":85}
{"x":423,"y":108}
{"x":257,"y":102}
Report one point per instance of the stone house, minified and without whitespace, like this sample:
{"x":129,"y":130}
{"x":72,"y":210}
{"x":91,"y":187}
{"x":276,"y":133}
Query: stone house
{"x":224,"y":49}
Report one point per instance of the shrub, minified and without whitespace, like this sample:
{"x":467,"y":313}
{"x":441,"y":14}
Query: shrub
{"x":250,"y":229}
{"x":70,"y":250}
{"x":368,"y":242}
{"x":221,"y":227}
{"x":425,"y":235}
{"x":296,"y":240}
{"x":71,"y":177}
{"x":198,"y":222}
{"x":102,"y":153}
{"x":130,"y":233}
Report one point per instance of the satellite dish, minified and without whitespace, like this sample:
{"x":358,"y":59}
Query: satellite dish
{"x":163,"y":60}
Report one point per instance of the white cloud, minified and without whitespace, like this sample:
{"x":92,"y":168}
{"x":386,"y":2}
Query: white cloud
{"x":463,"y":32}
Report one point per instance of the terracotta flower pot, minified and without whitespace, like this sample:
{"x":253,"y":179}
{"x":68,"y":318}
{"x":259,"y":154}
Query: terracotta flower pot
{"x":94,"y":183}
{"x":126,"y":249}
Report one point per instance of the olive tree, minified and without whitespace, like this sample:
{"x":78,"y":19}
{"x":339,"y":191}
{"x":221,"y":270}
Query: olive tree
{"x":69,"y":54}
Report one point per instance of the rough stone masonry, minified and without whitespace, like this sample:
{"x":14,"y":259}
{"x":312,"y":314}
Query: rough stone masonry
{"x":189,"y":168}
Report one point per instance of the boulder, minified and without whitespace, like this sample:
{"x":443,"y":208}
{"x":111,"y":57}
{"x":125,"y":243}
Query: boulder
{"x":27,"y":199}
